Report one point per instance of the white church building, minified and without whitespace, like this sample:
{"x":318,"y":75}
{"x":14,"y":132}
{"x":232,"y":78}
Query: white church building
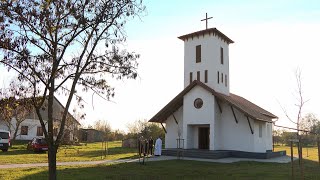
{"x":205,"y":114}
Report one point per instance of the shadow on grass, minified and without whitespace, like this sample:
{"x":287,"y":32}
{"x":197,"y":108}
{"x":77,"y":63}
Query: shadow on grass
{"x":182,"y":169}
{"x":113,"y":153}
{"x":22,"y":151}
{"x":121,"y":150}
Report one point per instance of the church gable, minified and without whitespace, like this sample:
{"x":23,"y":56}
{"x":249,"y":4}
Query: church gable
{"x":248,"y":108}
{"x":198,"y":106}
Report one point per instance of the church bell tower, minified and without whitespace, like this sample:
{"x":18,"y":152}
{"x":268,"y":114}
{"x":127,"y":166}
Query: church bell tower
{"x":206,"y":58}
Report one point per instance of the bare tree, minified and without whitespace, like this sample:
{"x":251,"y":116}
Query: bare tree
{"x":137,"y":126}
{"x":102,"y":125}
{"x":300,"y":102}
{"x":64,"y":47}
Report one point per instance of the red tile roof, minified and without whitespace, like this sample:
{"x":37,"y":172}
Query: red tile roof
{"x":248,"y":108}
{"x":214,"y":31}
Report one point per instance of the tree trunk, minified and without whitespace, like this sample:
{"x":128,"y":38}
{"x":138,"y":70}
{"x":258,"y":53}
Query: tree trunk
{"x":13,"y":141}
{"x":16,"y":131}
{"x":52,"y":157}
{"x":52,"y":152}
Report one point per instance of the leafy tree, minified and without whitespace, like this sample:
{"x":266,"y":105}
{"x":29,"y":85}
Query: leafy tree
{"x":145,"y":129}
{"x":135,"y":128}
{"x":14,"y":109}
{"x":13,"y":112}
{"x":287,"y":136}
{"x":308,"y":121}
{"x":316,"y":128}
{"x":277,"y":136}
{"x":116,"y":135}
{"x":152,"y":130}
{"x":64,"y":47}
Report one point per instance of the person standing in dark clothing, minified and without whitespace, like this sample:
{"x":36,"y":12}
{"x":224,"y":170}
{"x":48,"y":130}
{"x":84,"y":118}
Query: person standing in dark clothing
{"x":151,"y":146}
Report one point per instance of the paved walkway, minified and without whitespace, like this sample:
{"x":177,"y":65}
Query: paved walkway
{"x":283,"y":159}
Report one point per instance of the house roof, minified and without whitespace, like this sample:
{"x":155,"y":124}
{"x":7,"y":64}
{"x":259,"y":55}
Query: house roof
{"x":248,"y":108}
{"x":32,"y":113}
{"x":70,"y":115}
{"x":214,"y":31}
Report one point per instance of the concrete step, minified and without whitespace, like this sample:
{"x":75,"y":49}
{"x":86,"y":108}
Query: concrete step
{"x":197,"y":154}
{"x":206,"y":154}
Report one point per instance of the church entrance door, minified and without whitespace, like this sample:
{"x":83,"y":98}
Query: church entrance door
{"x":204,"y":133}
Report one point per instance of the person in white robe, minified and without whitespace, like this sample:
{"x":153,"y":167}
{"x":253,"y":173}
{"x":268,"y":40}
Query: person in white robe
{"x":158,"y":147}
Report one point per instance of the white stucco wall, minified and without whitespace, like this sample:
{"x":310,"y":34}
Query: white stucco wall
{"x":196,"y":117}
{"x":210,"y":60}
{"x":32,"y":129}
{"x":218,"y":141}
{"x":190,"y":137}
{"x":195,"y":136}
{"x":232,"y":135}
{"x":32,"y":124}
{"x":225,"y":133}
{"x":261,"y":144}
{"x":173,"y":128}
{"x":269,"y":142}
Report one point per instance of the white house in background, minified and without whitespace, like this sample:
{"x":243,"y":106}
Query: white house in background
{"x":31,"y":126}
{"x":205,"y":114}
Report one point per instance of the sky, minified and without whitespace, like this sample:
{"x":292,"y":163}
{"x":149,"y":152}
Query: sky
{"x":272,"y":39}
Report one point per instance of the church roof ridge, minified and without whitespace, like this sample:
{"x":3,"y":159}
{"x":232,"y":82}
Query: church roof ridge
{"x":248,"y":108}
{"x":214,"y":31}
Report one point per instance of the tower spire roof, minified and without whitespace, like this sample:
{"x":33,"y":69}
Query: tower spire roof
{"x":213,"y":31}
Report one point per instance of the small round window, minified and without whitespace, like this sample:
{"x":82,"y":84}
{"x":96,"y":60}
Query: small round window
{"x":198,"y":103}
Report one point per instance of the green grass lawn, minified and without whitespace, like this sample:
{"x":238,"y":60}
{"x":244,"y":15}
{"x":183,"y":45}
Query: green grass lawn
{"x":310,"y":153}
{"x":84,"y":152}
{"x":173,"y":169}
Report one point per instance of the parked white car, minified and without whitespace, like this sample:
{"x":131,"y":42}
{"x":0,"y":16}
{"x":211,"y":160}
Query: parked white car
{"x":4,"y":140}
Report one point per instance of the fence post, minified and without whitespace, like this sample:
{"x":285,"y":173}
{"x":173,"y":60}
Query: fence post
{"x":319,"y":150}
{"x":301,"y":165}
{"x":292,"y":175}
{"x":272,"y":143}
{"x":299,"y":150}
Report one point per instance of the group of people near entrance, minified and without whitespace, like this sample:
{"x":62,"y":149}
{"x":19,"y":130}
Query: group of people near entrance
{"x":146,"y":146}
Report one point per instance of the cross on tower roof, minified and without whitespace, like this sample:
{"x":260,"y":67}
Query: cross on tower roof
{"x":206,"y":19}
